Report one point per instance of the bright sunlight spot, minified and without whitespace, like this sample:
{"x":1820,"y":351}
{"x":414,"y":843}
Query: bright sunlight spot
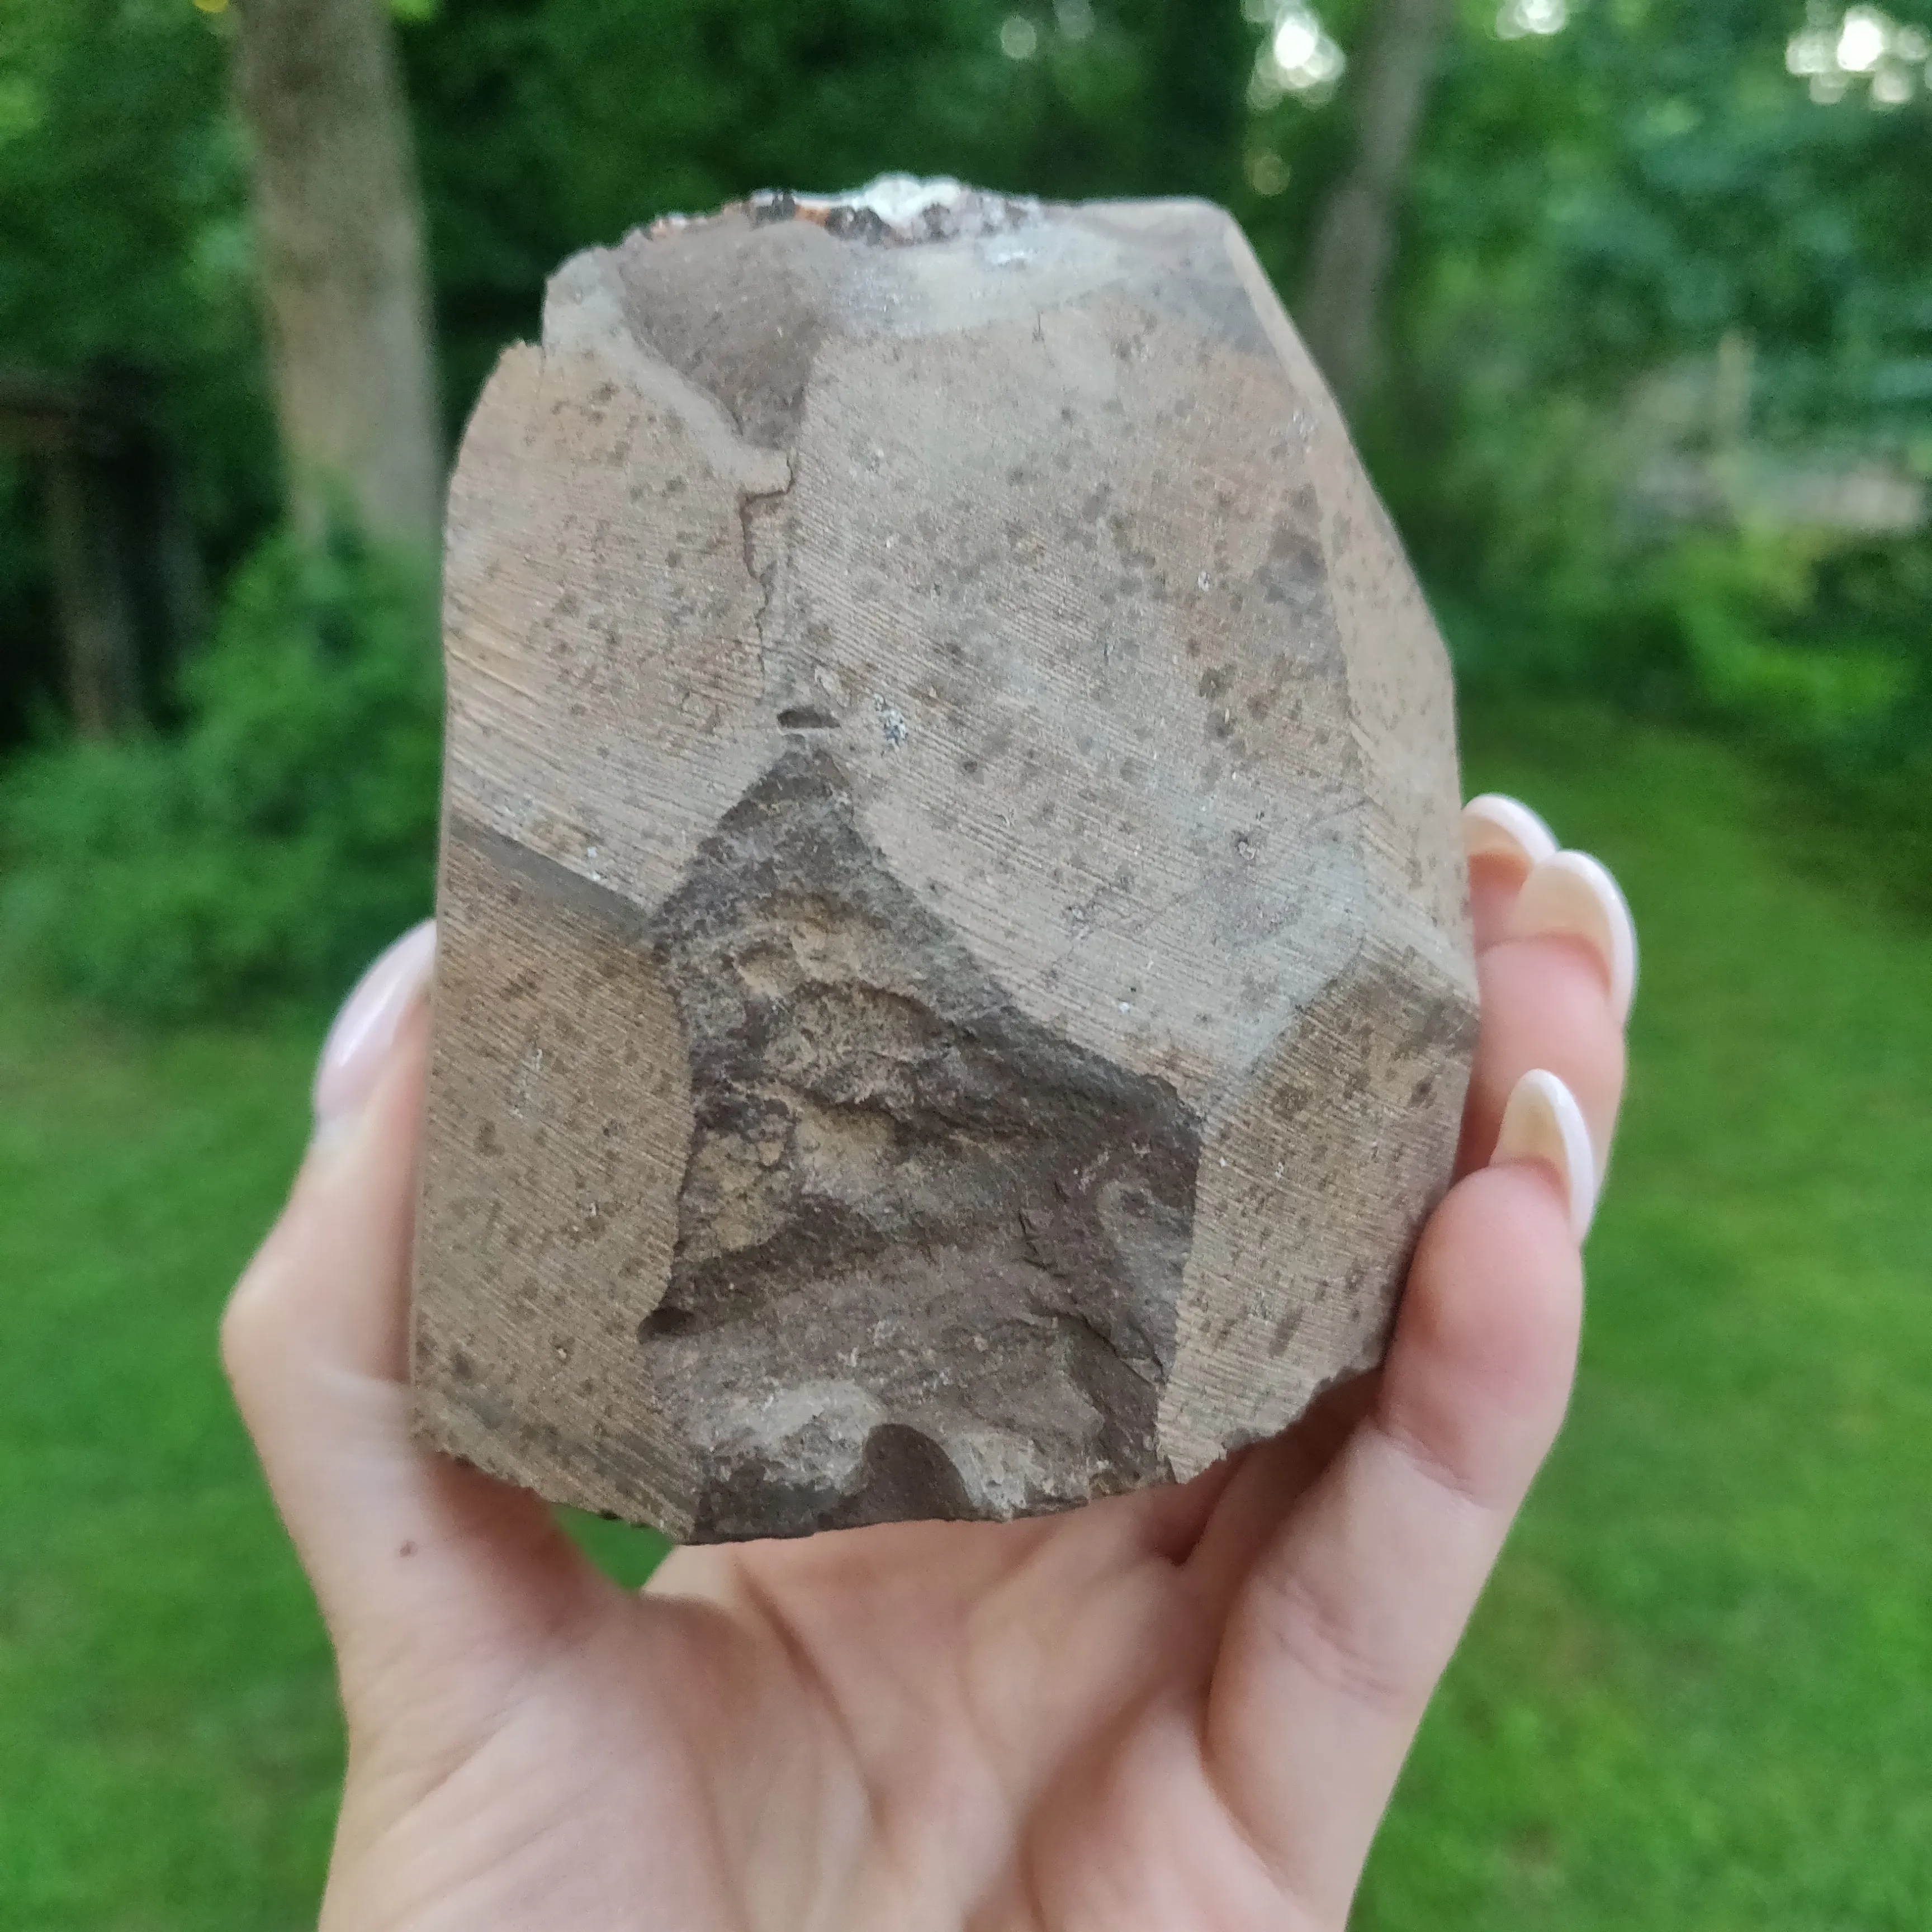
{"x":1298,"y":56}
{"x":1517,"y":18}
{"x":1019,"y":38}
{"x":1296,"y":41}
{"x":1862,"y":43}
{"x":1865,"y":45}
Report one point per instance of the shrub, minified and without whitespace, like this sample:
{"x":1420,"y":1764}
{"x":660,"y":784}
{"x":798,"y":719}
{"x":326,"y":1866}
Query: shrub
{"x":280,"y":836}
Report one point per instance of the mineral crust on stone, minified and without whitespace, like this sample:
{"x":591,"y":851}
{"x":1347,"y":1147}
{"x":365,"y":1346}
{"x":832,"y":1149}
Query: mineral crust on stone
{"x":953,"y":995}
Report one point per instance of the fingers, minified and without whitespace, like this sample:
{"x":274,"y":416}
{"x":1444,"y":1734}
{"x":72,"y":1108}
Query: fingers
{"x":1550,"y":1003}
{"x":1556,"y":959}
{"x":397,"y":1543}
{"x":358,"y":1050}
{"x":1572,"y":896}
{"x":1352,"y":1573}
{"x":1503,"y":839}
{"x":1336,"y":1641}
{"x":1542,"y":1122}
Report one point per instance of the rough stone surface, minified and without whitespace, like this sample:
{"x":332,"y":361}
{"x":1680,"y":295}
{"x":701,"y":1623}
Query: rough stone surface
{"x":953,"y":995}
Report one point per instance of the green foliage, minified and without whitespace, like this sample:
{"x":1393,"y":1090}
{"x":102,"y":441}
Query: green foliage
{"x":273,"y":843}
{"x":1735,"y":598}
{"x":123,"y":247}
{"x":1597,"y":218}
{"x":123,"y":228}
{"x":1590,"y":205}
{"x":1819,"y":656}
{"x":1811,"y":651}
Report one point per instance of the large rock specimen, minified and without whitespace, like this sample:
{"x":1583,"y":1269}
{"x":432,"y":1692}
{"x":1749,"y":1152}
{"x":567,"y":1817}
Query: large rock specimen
{"x":953,"y":995}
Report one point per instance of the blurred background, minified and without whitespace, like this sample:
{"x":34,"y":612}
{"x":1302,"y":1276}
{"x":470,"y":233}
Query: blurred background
{"x":1629,"y":302}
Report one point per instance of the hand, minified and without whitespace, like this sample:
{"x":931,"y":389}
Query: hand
{"x":1177,"y":1711}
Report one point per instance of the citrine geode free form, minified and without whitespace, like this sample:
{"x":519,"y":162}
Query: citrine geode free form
{"x":953,"y":996}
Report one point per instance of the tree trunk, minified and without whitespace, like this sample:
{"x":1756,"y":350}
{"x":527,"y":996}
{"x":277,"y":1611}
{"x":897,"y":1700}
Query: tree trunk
{"x":1340,"y":310}
{"x":340,"y":234}
{"x":82,"y":437}
{"x":86,"y":551}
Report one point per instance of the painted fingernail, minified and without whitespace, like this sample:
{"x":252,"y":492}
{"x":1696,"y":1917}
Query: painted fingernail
{"x":359,"y":1041}
{"x":1543,"y":1122}
{"x":1495,"y":826}
{"x":1570,"y":896}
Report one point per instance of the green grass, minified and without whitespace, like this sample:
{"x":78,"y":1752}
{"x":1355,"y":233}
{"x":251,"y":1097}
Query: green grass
{"x":165,"y":1696}
{"x":1698,"y":1694}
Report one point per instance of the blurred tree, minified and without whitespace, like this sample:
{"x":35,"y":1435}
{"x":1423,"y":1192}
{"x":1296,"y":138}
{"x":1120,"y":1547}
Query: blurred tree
{"x":1340,"y":309}
{"x":541,"y":127}
{"x":1659,"y":293}
{"x":339,"y":234}
{"x":123,"y":266}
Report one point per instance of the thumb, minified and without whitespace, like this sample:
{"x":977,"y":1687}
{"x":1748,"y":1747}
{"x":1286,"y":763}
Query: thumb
{"x":414,"y":1559}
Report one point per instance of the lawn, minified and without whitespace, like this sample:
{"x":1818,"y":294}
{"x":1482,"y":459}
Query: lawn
{"x":1698,"y":1694}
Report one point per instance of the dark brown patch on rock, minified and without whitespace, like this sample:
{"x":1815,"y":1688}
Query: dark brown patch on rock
{"x":862,"y":1091}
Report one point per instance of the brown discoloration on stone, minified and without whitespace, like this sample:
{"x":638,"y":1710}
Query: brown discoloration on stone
{"x":952,"y":784}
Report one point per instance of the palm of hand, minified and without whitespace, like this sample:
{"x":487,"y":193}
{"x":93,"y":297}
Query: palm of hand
{"x":921,"y":1726}
{"x":1183,"y":1709}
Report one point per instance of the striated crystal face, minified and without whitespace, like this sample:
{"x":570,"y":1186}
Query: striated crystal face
{"x":953,"y":996}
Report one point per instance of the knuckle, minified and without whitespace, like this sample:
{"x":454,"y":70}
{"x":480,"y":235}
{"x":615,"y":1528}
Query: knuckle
{"x":250,"y":1324}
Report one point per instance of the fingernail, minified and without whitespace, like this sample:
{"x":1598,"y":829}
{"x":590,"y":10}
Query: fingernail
{"x":1570,"y":895}
{"x":1495,"y":826}
{"x":359,"y":1041}
{"x":1543,"y":1122}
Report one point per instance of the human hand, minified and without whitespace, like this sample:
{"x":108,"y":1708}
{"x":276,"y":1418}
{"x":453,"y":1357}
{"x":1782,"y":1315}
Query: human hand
{"x":1184,"y":1709}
